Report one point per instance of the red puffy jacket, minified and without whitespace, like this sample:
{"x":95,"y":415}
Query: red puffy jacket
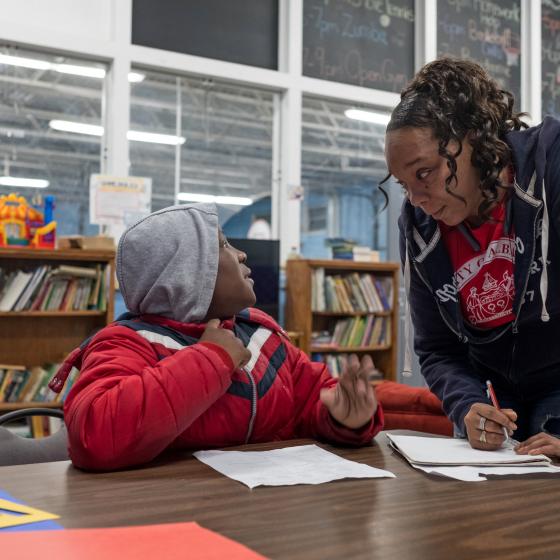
{"x":150,"y":385}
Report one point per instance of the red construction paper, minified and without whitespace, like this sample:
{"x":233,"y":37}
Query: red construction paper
{"x":173,"y":541}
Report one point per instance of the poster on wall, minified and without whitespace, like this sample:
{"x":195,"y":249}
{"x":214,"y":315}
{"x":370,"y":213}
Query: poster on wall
{"x":487,"y":32}
{"x":118,"y":202}
{"x":550,"y":56}
{"x":368,"y":43}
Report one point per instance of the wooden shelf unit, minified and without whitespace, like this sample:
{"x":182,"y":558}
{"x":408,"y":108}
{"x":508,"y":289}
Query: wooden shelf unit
{"x":8,"y":407}
{"x":33,"y":338}
{"x":300,"y":316}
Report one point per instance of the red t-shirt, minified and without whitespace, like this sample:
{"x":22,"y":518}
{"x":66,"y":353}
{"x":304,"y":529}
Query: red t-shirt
{"x":484,"y":279}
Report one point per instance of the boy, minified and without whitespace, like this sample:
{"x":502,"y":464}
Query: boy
{"x":192,"y":367}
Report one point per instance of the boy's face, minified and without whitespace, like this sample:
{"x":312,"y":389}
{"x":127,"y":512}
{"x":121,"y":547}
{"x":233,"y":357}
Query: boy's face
{"x":234,"y":286}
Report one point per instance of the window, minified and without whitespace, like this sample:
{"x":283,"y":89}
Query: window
{"x":45,"y":101}
{"x":220,"y":145}
{"x":342,"y":164}
{"x":317,"y":218}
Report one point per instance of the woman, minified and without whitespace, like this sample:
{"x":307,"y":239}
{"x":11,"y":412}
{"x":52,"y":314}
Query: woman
{"x":479,"y":233}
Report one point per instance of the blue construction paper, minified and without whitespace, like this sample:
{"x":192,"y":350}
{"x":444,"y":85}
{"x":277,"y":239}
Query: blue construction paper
{"x":39,"y":526}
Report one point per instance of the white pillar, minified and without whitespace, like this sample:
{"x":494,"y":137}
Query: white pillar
{"x":290,"y":106}
{"x":531,"y":64}
{"x":425,"y":32}
{"x":114,"y":158}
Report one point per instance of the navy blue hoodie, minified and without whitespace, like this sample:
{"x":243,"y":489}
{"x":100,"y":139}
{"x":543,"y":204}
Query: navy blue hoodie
{"x":524,"y":356}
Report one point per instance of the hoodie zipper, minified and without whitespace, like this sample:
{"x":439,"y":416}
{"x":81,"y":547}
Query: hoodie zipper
{"x":514,"y":328}
{"x":253,"y":405}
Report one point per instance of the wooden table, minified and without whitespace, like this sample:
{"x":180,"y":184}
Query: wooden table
{"x":414,"y":516}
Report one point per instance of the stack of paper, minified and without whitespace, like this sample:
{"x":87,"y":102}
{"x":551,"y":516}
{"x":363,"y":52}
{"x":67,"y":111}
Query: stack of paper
{"x":455,"y":458}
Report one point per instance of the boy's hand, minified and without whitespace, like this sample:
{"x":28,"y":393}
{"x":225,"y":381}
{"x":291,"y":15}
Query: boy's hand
{"x":485,"y":425}
{"x":352,"y":402}
{"x":541,"y":443}
{"x":228,"y":341}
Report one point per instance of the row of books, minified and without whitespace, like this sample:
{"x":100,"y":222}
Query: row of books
{"x":19,"y":384}
{"x":54,"y":288}
{"x":336,"y":364}
{"x":35,"y":426}
{"x":350,"y":292}
{"x":42,"y":426}
{"x":356,"y":332}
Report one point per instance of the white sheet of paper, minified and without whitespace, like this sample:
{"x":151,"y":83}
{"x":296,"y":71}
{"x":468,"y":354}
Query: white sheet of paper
{"x":476,"y":474}
{"x":457,"y":452}
{"x":304,"y":464}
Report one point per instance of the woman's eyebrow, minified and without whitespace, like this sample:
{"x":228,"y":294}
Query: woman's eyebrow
{"x":413,"y":162}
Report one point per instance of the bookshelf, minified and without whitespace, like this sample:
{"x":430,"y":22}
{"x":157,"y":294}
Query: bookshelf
{"x":37,"y":337}
{"x":303,"y":276}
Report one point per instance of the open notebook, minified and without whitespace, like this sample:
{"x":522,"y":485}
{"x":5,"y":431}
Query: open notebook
{"x":457,"y":452}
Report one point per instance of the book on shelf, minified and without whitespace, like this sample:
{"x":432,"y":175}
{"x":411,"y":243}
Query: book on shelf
{"x":342,"y":294}
{"x":385,"y":297}
{"x":336,"y":363}
{"x":341,"y":248}
{"x":349,"y":293}
{"x":31,"y":288}
{"x":95,"y":292}
{"x":71,"y":270}
{"x":365,"y":254}
{"x":16,"y":285}
{"x":348,"y":249}
{"x":318,"y":291}
{"x":54,"y":288}
{"x":355,"y":332}
{"x":19,"y":384}
{"x":42,"y":426}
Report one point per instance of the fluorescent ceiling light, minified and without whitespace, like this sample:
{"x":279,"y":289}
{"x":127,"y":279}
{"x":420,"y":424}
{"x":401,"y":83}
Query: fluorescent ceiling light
{"x":78,"y":128}
{"x":74,"y":69}
{"x":233,"y":200}
{"x":23,"y":182}
{"x":135,"y":77}
{"x":136,"y":135}
{"x":367,"y":116}
{"x":87,"y":71}
{"x":170,"y":139}
{"x":25,"y":62}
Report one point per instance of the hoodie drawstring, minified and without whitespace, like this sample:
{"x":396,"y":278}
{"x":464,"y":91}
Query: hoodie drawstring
{"x":407,"y":365}
{"x":544,"y":252}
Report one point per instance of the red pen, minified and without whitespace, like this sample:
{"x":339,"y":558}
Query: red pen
{"x":492,"y":397}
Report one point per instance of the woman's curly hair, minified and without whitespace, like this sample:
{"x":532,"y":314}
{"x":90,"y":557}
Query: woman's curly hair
{"x":454,"y":98}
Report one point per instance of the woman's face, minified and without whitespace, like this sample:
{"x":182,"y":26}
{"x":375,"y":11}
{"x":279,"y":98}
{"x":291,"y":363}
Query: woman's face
{"x":413,"y":159}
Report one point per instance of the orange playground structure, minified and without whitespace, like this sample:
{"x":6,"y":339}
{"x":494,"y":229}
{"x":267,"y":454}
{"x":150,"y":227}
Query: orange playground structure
{"x":24,"y":225}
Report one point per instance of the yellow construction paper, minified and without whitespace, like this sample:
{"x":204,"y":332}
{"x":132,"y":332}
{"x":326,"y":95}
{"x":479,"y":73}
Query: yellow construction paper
{"x":30,"y":515}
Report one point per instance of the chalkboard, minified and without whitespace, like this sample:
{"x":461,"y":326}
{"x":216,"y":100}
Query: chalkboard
{"x":368,"y":43}
{"x":550,"y":57}
{"x":487,"y":32}
{"x":243,"y":31}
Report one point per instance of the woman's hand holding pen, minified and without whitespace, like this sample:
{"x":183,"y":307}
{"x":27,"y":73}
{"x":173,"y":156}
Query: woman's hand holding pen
{"x":228,"y":341}
{"x":485,"y":425}
{"x":352,"y":402}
